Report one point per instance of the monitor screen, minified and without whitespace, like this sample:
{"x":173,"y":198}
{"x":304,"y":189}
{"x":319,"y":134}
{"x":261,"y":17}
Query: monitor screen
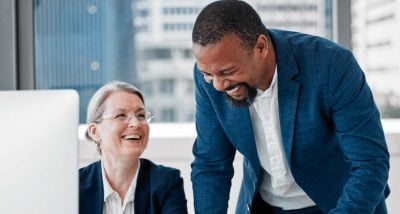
{"x":39,"y":151}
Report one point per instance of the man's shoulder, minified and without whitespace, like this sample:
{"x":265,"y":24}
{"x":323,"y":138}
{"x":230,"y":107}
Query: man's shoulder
{"x":306,"y":47}
{"x":294,"y":35}
{"x":302,"y":40}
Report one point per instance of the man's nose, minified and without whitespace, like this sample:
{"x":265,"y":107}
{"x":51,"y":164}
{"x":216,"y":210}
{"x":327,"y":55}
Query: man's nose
{"x":219,"y":83}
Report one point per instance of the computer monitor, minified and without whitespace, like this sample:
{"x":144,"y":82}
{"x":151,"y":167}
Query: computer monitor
{"x":39,"y":151}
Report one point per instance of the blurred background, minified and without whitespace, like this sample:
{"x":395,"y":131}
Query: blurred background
{"x":82,"y":44}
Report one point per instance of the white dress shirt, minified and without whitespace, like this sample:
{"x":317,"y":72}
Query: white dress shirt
{"x":278,"y":187}
{"x":112,"y":201}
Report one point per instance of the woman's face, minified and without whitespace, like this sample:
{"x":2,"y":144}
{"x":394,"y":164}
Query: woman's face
{"x":123,"y":130}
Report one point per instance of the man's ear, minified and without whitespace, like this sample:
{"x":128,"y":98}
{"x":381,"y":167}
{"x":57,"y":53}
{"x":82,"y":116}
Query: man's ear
{"x":262,"y":45}
{"x":93,"y":132}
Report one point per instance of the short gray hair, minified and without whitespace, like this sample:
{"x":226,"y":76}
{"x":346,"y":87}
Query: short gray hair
{"x":95,"y":107}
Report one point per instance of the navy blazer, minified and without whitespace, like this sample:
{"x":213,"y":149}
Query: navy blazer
{"x":330,"y":126}
{"x":159,"y":189}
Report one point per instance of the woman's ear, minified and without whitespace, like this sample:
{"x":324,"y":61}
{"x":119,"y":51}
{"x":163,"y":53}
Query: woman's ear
{"x":93,"y":132}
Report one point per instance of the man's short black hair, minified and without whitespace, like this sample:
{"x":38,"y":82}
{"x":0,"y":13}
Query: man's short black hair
{"x":228,"y":16}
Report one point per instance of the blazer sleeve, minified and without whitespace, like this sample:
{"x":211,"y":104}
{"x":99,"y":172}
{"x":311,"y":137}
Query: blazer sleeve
{"x":357,"y":125}
{"x":212,"y":168}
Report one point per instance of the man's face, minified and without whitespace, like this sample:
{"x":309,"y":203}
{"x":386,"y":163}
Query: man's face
{"x":231,"y":68}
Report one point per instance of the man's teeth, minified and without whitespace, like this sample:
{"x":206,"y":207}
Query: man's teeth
{"x":132,"y":137}
{"x":233,"y":90}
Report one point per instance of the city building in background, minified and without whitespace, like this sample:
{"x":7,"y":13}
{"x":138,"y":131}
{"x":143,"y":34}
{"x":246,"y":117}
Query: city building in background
{"x":163,"y":44}
{"x":164,"y":56}
{"x":375,"y":43}
{"x":308,"y":16}
{"x":82,"y":44}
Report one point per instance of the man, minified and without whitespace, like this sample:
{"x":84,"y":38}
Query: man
{"x":299,"y":110}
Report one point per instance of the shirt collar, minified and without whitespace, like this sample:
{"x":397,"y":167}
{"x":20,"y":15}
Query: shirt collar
{"x":108,"y":190}
{"x":268,"y":92}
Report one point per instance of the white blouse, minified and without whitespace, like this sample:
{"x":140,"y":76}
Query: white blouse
{"x":112,"y":201}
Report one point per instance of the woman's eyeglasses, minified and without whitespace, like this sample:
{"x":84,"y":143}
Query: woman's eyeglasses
{"x":143,"y":117}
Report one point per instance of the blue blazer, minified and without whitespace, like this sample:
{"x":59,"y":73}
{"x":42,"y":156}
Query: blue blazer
{"x":330,"y":126}
{"x":159,"y":189}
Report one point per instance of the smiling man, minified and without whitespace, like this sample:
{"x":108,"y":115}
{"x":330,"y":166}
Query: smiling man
{"x":299,"y":110}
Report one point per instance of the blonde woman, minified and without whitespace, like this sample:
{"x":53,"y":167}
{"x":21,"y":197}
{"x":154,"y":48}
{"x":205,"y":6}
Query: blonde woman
{"x":121,"y":181}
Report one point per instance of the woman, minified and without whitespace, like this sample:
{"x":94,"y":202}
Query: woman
{"x":121,"y":182}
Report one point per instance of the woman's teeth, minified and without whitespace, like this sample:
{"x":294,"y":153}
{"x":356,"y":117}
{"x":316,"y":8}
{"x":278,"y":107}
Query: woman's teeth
{"x":132,"y":137}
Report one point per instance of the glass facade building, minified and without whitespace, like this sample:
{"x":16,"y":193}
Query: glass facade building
{"x":82,"y":44}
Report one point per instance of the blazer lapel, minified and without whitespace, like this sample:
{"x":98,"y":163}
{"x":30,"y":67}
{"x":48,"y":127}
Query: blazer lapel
{"x":288,"y":90}
{"x":92,"y":191}
{"x":240,"y":131}
{"x":142,"y":191}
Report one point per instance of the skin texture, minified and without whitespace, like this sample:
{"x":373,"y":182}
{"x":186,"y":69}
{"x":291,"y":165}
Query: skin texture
{"x":120,"y":156}
{"x":232,"y":68}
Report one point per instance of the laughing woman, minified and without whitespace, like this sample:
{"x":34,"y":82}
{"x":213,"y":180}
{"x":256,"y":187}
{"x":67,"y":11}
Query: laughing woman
{"x":121,"y":182}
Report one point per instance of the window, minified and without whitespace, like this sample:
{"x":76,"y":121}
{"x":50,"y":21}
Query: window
{"x":157,"y":53}
{"x":167,"y":86}
{"x":83,"y":44}
{"x":376,"y":48}
{"x":168,"y":115}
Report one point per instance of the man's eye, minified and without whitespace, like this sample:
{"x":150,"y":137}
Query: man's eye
{"x":207,"y":74}
{"x":226,"y":72}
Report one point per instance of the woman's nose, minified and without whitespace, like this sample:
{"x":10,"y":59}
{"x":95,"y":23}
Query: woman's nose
{"x":133,"y":121}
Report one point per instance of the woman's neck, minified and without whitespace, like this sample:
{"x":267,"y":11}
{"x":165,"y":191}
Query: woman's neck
{"x":120,"y":174}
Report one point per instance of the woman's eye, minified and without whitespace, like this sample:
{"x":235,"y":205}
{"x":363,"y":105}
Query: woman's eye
{"x":141,"y":116}
{"x":121,"y":116}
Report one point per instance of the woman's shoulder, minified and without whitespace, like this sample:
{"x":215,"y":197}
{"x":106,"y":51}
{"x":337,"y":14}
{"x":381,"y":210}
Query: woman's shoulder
{"x":90,"y":169}
{"x":90,"y":176}
{"x":158,"y":169}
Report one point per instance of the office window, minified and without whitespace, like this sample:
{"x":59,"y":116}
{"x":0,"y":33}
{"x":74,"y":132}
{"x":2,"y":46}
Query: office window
{"x":167,"y":86}
{"x":189,"y":87}
{"x":376,"y":47}
{"x":83,"y":44}
{"x":147,"y":88}
{"x":168,"y":115}
{"x":187,"y":53}
{"x":157,"y":53}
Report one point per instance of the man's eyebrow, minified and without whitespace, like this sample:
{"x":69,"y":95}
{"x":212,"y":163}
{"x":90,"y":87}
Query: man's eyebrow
{"x":226,"y":69}
{"x":200,"y":70}
{"x":219,"y":72}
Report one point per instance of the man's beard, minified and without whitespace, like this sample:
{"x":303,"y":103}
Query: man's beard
{"x":245,"y":102}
